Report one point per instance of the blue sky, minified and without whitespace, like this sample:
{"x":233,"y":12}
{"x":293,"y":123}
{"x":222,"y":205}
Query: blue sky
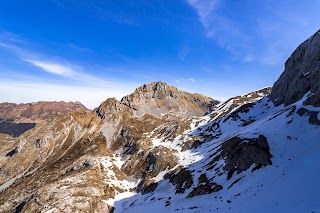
{"x":91,"y":50}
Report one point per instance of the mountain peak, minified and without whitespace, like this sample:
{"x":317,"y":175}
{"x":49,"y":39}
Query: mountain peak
{"x":158,"y":98}
{"x":158,"y":86}
{"x":113,"y":108}
{"x":154,"y":88}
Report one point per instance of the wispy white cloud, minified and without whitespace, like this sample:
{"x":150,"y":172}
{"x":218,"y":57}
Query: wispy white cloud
{"x":71,"y":81}
{"x":211,"y":20}
{"x":49,"y":64}
{"x":205,"y":8}
{"x":63,"y":68}
{"x":222,"y":28}
{"x":216,"y":68}
{"x":183,"y":52}
{"x":186,"y":80}
{"x":11,"y":37}
{"x":53,"y":67}
{"x":81,"y":49}
{"x":268,"y":35}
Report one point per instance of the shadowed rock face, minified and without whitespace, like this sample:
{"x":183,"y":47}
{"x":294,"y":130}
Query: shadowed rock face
{"x":112,"y":110}
{"x":14,"y":129}
{"x":313,"y":115}
{"x":301,"y":74}
{"x":182,"y":179}
{"x":204,"y":186}
{"x":241,"y":153}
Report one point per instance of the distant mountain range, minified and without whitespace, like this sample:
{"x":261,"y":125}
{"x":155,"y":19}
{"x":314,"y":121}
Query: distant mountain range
{"x":161,"y":149}
{"x":15,"y":119}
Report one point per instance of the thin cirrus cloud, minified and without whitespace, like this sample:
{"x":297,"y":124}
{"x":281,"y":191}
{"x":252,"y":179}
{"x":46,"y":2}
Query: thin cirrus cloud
{"x":267,"y":36}
{"x":83,"y":85}
{"x":48,"y":64}
{"x":91,"y":91}
{"x":223,"y":29}
{"x":63,"y":68}
{"x":52,"y":67}
{"x":189,"y":80}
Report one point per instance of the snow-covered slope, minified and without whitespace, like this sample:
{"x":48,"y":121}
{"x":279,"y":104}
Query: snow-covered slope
{"x":288,"y":184}
{"x":252,"y":156}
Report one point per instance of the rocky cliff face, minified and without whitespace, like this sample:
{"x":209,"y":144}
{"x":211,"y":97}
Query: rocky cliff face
{"x":301,"y":75}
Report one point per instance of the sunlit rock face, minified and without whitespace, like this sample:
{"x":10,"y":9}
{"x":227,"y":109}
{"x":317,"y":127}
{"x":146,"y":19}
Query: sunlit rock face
{"x":159,"y":98}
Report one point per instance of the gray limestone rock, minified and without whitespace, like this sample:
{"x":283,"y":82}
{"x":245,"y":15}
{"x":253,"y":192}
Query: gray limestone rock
{"x":301,"y":74}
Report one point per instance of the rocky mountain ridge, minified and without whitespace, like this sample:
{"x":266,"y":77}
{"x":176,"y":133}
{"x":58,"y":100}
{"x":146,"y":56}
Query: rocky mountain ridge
{"x":126,"y":136}
{"x":37,"y":112}
{"x":158,"y":99}
{"x":244,"y":154}
{"x":15,"y":119}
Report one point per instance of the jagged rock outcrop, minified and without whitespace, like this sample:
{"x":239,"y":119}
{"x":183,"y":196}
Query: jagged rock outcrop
{"x":112,"y":109}
{"x":241,"y":153}
{"x":158,"y":98}
{"x":301,"y":74}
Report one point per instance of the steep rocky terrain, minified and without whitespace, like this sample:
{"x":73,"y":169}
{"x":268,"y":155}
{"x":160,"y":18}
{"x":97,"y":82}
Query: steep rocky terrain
{"x":159,"y":98}
{"x":301,"y":74}
{"x":87,"y":157}
{"x":253,"y":153}
{"x":15,"y":119}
